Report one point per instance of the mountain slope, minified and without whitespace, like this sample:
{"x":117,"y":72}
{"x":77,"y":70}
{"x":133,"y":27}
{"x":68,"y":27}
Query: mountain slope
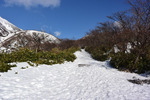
{"x":48,"y":37}
{"x":9,"y":26}
{"x":7,"y":29}
{"x":11,"y":35}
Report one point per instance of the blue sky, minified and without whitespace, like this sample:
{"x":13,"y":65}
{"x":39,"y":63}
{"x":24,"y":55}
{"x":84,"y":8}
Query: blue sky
{"x":62,"y":18}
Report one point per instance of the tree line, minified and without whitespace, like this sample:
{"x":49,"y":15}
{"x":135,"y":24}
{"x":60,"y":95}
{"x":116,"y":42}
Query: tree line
{"x":130,"y":28}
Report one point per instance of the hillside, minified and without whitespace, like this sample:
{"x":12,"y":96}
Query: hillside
{"x":11,"y":36}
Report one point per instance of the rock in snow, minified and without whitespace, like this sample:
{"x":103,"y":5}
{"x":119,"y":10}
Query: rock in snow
{"x":68,"y":81}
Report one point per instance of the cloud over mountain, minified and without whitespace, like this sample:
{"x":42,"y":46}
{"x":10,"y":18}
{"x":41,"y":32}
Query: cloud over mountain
{"x":57,"y":33}
{"x":33,"y":3}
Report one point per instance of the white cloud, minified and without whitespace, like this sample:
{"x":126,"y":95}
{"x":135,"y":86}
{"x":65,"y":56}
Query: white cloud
{"x":57,"y":33}
{"x":33,"y":3}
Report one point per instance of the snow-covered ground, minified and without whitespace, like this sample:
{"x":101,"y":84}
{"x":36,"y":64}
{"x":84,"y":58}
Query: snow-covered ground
{"x":93,"y":80}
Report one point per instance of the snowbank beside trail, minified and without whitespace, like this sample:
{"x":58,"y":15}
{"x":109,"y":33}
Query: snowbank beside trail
{"x":83,"y":79}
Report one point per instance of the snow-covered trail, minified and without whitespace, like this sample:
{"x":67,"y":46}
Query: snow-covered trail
{"x":92,"y":81}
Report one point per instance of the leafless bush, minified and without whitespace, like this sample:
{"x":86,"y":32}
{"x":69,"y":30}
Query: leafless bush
{"x":66,"y":43}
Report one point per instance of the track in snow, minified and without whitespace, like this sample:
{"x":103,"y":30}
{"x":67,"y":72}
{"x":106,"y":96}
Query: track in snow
{"x":92,"y":81}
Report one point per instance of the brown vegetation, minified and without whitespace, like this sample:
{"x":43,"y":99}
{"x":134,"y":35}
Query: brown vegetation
{"x":127,"y":27}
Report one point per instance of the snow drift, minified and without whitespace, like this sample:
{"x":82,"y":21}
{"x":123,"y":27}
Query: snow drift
{"x":93,"y":80}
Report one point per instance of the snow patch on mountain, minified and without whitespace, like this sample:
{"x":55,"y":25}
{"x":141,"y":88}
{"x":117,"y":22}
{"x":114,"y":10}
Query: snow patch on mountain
{"x":48,"y":37}
{"x":2,"y":39}
{"x":9,"y":26}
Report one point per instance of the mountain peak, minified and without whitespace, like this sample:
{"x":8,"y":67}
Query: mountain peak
{"x":7,"y":26}
{"x":11,"y":35}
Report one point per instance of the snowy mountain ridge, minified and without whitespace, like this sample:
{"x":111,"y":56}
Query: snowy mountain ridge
{"x":10,"y":34}
{"x":9,"y":26}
